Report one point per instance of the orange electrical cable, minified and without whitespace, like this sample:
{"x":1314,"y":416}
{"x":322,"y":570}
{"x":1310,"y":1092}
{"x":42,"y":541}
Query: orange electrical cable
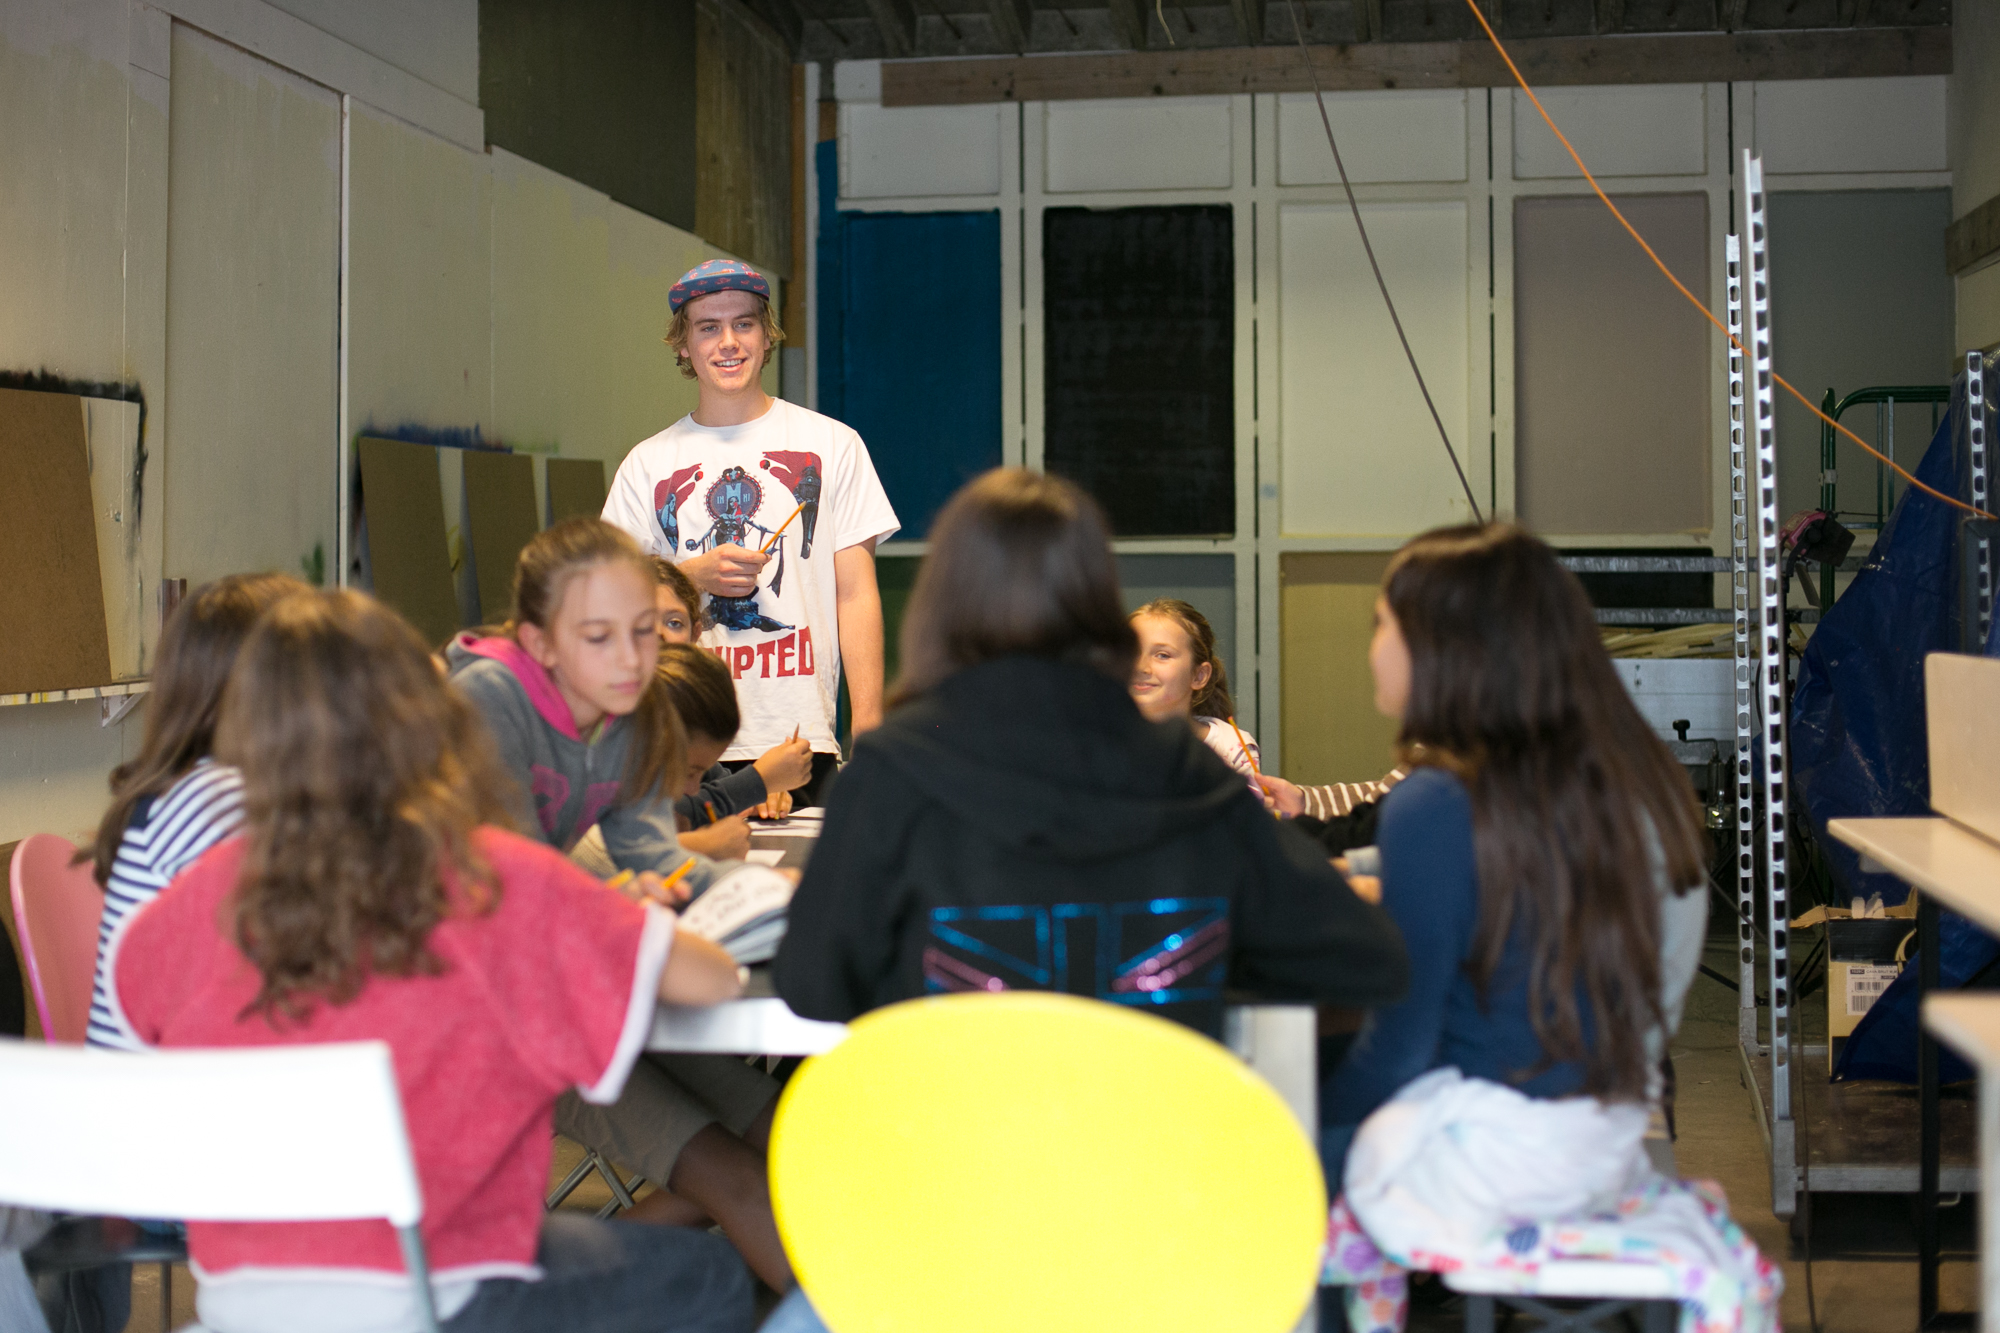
{"x":1680,"y":287}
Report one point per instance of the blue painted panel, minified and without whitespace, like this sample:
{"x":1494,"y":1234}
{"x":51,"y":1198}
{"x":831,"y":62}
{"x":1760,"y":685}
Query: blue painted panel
{"x":918,"y":338}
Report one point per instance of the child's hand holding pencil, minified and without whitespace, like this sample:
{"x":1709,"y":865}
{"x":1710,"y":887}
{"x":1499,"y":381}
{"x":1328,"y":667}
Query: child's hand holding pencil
{"x":646,"y":886}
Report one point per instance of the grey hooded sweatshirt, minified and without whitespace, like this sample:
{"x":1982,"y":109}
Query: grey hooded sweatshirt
{"x":565,"y":782}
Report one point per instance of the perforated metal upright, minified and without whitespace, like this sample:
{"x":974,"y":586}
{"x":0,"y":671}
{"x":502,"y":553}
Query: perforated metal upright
{"x":1768,"y":661}
{"x":1739,"y":602}
{"x":1980,"y":573}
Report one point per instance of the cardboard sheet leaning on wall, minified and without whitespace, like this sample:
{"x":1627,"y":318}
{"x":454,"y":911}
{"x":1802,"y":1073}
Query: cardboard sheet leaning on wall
{"x":53,"y":598}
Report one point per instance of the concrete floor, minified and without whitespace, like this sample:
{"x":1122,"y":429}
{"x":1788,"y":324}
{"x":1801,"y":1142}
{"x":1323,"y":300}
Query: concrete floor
{"x":1864,"y":1269}
{"x":1864,"y":1246}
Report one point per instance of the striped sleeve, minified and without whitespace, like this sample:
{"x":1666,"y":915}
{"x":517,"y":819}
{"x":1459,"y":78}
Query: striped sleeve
{"x":198,"y":811}
{"x":1339,"y":798}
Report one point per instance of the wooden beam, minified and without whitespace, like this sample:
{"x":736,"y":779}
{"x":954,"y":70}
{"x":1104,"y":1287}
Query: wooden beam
{"x":1249,"y":16}
{"x":1013,"y":22}
{"x":897,"y":22}
{"x":1128,"y":20}
{"x":1973,"y":237}
{"x":1822,"y":53}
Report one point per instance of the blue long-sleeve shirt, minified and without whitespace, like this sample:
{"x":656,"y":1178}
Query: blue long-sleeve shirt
{"x":1430,"y":888}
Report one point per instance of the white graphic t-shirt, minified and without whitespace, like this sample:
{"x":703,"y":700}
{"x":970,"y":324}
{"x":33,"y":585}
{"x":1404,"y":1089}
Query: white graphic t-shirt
{"x":692,"y":488}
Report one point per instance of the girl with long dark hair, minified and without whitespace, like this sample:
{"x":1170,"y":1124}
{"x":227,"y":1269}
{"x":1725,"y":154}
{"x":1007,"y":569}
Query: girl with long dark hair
{"x":1541,"y":855}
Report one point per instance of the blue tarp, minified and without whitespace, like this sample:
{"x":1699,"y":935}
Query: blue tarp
{"x":1858,"y":744}
{"x":1858,"y":737}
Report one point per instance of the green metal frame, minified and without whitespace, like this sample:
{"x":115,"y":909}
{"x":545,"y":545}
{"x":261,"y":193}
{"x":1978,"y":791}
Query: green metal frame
{"x":1883,"y":396}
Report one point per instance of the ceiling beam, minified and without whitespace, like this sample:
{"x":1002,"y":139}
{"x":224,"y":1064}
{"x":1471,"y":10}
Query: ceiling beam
{"x":897,"y":22}
{"x":1013,"y":22}
{"x":1973,"y":237}
{"x":1823,"y":53}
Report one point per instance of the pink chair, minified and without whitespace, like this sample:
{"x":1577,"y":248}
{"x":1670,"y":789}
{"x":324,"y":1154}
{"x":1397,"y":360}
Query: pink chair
{"x":57,"y":907}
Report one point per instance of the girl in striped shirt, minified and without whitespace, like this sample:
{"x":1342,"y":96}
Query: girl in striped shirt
{"x":172,"y":802}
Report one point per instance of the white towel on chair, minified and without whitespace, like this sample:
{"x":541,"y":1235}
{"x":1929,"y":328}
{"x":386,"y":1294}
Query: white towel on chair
{"x":1449,"y":1160}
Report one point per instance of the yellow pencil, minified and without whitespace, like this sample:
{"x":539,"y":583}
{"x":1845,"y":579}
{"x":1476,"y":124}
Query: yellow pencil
{"x":1247,"y":754}
{"x":768,"y":541}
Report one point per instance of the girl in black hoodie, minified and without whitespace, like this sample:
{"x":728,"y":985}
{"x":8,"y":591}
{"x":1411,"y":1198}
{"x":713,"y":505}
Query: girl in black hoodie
{"x":1016,"y":824}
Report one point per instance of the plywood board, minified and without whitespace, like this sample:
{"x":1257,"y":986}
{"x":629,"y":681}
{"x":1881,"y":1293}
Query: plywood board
{"x":402,"y":510}
{"x":1327,"y":609}
{"x":743,"y":142}
{"x":51,"y":600}
{"x":576,"y":486}
{"x":500,"y":511}
{"x":1359,"y":454}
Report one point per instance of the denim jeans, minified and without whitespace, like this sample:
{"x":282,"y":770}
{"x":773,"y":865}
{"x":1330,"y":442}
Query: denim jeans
{"x":618,"y":1277}
{"x":794,"y":1315}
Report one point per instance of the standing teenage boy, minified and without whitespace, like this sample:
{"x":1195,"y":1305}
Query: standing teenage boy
{"x":774,"y":512}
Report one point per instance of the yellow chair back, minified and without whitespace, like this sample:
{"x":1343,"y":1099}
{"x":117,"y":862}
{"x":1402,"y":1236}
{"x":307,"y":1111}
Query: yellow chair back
{"x":1032,"y":1162}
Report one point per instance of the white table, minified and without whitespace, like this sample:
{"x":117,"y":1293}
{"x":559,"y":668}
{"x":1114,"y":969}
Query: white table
{"x":1950,"y":866}
{"x":1279,"y":1041}
{"x":1971,"y":1024}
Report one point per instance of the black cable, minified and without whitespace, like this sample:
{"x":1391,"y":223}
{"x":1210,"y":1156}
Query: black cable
{"x":1299,"y":28}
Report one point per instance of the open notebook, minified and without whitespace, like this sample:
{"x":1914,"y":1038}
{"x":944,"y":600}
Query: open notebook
{"x":744,"y":913}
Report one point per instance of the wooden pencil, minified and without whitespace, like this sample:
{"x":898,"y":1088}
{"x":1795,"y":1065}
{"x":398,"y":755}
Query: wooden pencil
{"x":772,"y":539}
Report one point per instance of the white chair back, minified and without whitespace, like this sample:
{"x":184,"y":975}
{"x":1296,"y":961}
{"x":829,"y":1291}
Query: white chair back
{"x":292,"y":1133}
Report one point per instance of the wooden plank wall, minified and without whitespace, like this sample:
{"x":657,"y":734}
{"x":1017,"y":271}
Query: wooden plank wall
{"x":743,"y":115}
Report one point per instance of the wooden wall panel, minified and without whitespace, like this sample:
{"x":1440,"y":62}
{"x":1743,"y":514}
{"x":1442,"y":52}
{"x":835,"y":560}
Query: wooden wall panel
{"x":742,"y":127}
{"x":1332,"y":731}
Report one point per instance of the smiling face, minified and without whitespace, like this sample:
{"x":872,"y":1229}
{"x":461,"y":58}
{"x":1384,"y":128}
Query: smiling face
{"x":676,"y":618}
{"x":601,"y":644}
{"x":727,"y":342}
{"x":1389,"y":660}
{"x":1167,"y":678}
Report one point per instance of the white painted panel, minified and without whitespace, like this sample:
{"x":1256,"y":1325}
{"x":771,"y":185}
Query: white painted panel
{"x":857,"y":80}
{"x":1631,"y":130}
{"x":253,"y":202}
{"x":579,"y":311}
{"x":890,"y":152}
{"x":1698,"y":690}
{"x":54,"y":763}
{"x":1841,"y":125}
{"x":1413,"y":134}
{"x":1358,"y":452}
{"x":63,"y":103}
{"x":128,"y":550}
{"x":1138,"y":143}
{"x":437,"y":40}
{"x":419,"y":314}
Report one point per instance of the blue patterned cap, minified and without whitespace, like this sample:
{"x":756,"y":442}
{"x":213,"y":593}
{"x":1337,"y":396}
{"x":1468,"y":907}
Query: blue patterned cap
{"x":716,"y":275}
